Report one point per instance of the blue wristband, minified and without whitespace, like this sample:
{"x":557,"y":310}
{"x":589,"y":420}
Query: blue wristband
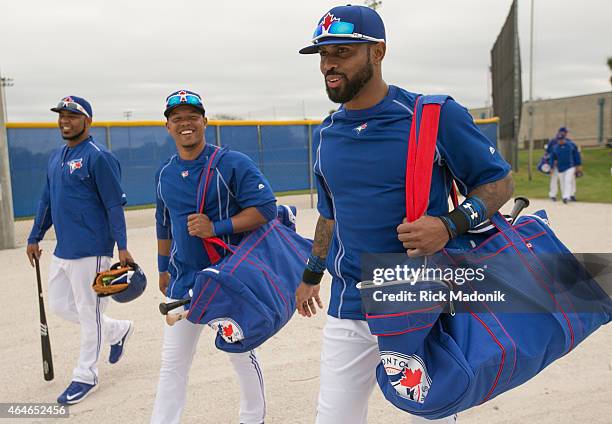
{"x":316,"y":264}
{"x":223,"y":228}
{"x":162,"y":263}
{"x":474,"y":210}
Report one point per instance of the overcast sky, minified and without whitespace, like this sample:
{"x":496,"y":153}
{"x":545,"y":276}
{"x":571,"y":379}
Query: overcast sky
{"x":241,"y":55}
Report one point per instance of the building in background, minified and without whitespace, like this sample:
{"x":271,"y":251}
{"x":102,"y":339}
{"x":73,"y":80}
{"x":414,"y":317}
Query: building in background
{"x":588,"y":118}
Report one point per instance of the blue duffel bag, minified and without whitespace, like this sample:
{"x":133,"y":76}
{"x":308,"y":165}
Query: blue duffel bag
{"x":439,"y":357}
{"x":249,"y":295}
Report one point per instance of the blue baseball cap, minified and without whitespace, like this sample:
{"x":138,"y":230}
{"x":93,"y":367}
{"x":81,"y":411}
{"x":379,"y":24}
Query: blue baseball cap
{"x":563,"y":129}
{"x":74,"y":104}
{"x":183,"y":98}
{"x":346,"y":25}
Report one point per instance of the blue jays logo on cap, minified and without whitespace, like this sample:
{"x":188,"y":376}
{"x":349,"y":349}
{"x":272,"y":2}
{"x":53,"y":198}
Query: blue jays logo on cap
{"x":327,"y":22}
{"x":347,"y":25}
{"x":182,"y":98}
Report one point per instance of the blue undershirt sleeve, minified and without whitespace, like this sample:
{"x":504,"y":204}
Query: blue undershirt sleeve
{"x":324,"y":202}
{"x":268,"y":211}
{"x":468,"y":153}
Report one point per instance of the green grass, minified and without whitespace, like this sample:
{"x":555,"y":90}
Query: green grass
{"x":293,"y":192}
{"x":594,"y":186}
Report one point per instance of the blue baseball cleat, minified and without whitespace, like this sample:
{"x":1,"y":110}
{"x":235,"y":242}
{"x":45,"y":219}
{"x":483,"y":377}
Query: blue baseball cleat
{"x":116,"y":350}
{"x":76,"y":392}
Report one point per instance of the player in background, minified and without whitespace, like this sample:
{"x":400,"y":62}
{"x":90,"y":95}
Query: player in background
{"x":569,"y":160}
{"x":360,"y":165}
{"x":83,"y":199}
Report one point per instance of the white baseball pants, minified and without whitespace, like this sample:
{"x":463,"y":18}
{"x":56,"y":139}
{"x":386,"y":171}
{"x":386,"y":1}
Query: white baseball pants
{"x":554,"y":183}
{"x":567,"y":179}
{"x":180,"y":342}
{"x":72,"y":298}
{"x":348,"y":374}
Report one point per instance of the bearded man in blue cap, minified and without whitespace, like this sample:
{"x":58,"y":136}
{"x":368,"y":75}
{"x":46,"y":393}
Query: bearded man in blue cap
{"x":360,"y":167}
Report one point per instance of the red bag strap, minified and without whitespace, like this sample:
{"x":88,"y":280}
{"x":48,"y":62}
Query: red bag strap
{"x":209,"y":243}
{"x":421,"y":150}
{"x":454,"y":195}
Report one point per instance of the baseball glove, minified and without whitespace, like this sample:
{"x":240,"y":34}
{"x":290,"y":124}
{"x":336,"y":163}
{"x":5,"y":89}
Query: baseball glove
{"x":579,"y":174}
{"x":113,"y":281}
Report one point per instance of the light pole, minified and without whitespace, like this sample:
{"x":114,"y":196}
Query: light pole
{"x":530,"y":109}
{"x":7,"y":226}
{"x":4,"y":82}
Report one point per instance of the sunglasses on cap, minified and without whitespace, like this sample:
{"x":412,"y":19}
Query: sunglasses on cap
{"x":340,"y":29}
{"x":187,"y":98}
{"x":64,"y":104}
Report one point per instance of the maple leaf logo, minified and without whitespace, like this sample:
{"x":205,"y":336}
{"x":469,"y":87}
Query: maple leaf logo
{"x":411,"y":378}
{"x":228,"y":330}
{"x":327,"y":21}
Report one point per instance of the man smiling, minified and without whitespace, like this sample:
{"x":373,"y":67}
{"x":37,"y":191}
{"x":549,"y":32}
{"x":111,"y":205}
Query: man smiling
{"x":238,"y":199}
{"x":82,"y":198}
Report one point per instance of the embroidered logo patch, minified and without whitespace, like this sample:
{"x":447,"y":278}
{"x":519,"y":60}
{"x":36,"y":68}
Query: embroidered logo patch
{"x":361,"y":127}
{"x":75,"y":164}
{"x":407,"y":374}
{"x":327,"y":22}
{"x":228,"y":329}
{"x":473,"y":213}
{"x":185,"y":174}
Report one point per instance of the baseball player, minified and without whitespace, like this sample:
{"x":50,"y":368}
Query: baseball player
{"x":83,"y":200}
{"x":570,"y":161}
{"x":239,"y":199}
{"x":360,"y":165}
{"x":566,"y":163}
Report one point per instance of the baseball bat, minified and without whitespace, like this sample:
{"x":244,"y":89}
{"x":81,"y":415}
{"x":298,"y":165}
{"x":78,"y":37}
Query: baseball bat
{"x":172,"y":319}
{"x":47,"y":357}
{"x":520,"y":203}
{"x":164,"y":308}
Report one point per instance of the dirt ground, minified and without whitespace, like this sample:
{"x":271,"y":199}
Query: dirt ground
{"x":576,"y":388}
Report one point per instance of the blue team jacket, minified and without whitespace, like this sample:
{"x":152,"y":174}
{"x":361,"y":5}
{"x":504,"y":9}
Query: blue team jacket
{"x":566,"y":155}
{"x":83,"y":200}
{"x":236,"y":184}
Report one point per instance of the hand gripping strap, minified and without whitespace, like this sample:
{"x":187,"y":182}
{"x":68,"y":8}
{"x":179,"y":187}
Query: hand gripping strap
{"x":421,"y":150}
{"x":209,"y":243}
